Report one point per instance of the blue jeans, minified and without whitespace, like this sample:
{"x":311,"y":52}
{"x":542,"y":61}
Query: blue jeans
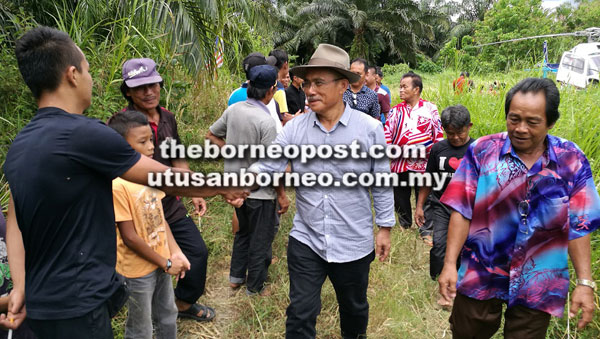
{"x":151,"y":300}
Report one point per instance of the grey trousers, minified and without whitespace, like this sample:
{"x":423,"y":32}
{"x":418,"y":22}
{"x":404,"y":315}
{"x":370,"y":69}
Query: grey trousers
{"x":152,"y":300}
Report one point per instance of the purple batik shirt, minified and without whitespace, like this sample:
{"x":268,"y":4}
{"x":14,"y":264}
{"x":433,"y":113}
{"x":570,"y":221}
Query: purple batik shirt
{"x":520,"y":254}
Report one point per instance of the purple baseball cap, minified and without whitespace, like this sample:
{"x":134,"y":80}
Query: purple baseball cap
{"x":138,"y":72}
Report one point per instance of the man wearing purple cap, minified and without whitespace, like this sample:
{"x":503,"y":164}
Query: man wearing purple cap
{"x":141,"y":87}
{"x":249,"y":123}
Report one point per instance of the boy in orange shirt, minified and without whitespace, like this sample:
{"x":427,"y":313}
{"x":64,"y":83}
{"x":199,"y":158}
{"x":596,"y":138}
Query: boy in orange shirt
{"x":147,"y":253}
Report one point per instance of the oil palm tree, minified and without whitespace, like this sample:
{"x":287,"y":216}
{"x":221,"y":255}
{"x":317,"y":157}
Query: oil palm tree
{"x":367,"y":28}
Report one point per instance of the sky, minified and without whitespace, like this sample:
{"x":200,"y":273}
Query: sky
{"x":554,"y":3}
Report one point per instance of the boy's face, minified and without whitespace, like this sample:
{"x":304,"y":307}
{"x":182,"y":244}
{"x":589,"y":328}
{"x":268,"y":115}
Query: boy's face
{"x":140,"y":139}
{"x":458,"y":136}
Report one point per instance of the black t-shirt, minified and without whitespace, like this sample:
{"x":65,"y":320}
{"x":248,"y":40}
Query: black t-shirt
{"x":445,"y":158}
{"x":295,"y":99}
{"x":60,"y":169}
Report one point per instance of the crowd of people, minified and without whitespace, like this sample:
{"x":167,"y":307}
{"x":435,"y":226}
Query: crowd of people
{"x":86,"y":234}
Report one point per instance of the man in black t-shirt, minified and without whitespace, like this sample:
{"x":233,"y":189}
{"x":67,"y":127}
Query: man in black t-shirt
{"x":296,"y":99}
{"x":61,"y":234}
{"x":445,"y":157}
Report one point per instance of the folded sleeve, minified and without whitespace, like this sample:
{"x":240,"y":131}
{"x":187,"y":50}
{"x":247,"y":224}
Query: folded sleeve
{"x":123,"y":209}
{"x":584,"y":203}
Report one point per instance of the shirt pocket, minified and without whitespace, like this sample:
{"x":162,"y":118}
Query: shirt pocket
{"x":552,"y":213}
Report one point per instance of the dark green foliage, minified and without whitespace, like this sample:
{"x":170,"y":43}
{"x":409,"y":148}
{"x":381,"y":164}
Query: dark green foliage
{"x":425,"y":65}
{"x":379,"y":31}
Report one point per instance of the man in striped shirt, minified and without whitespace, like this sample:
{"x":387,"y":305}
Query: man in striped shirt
{"x":413,"y":122}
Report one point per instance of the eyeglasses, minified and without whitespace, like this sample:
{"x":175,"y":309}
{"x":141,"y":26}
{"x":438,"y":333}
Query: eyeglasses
{"x":523,"y":208}
{"x":317,"y":83}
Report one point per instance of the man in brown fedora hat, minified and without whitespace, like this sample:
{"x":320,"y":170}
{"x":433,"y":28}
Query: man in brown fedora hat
{"x":332,"y":234}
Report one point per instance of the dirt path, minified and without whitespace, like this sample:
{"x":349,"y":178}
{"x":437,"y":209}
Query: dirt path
{"x":220,"y":297}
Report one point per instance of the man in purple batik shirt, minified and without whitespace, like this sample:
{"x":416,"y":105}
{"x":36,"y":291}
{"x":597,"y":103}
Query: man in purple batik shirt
{"x":521,"y":201}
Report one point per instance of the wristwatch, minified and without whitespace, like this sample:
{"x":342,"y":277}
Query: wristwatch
{"x":169,"y":264}
{"x":584,"y":282}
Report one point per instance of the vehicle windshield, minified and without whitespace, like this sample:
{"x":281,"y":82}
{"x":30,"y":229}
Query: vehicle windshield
{"x":573,"y":63}
{"x":595,"y":63}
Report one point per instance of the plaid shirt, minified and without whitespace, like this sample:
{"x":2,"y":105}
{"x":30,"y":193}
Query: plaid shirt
{"x":420,"y":125}
{"x":521,"y":220}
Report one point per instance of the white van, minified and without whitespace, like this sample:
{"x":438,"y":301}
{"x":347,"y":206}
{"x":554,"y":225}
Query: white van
{"x":580,"y":66}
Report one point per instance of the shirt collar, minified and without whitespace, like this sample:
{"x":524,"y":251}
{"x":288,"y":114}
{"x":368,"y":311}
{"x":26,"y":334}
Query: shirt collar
{"x":362,"y":89}
{"x":549,"y":152}
{"x":158,"y":109}
{"x":344,"y":119}
{"x":419,"y":104}
{"x":259,"y":104}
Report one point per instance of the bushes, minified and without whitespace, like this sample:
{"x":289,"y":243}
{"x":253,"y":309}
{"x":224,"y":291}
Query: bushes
{"x":399,"y":69}
{"x":425,"y":65}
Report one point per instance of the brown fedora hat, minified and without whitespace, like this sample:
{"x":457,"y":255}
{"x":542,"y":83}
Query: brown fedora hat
{"x":328,"y":56}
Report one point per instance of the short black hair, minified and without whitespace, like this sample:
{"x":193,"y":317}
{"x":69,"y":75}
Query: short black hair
{"x":122,"y":122}
{"x":536,"y":85}
{"x":379,"y":71}
{"x":416,"y":80}
{"x":362,"y":61}
{"x":455,"y":117}
{"x":372,"y":68}
{"x":465,"y":74}
{"x":257,"y":93}
{"x":43,"y":54}
{"x":281,"y":56}
{"x":124,"y":88}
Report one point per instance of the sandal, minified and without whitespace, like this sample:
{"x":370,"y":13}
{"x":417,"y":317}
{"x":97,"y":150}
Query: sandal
{"x":208,"y":313}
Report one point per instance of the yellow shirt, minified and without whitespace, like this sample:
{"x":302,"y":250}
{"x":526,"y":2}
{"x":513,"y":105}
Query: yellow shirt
{"x":141,"y":205}
{"x":279,"y":96}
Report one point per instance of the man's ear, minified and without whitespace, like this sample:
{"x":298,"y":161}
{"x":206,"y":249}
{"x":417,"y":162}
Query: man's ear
{"x":71,"y":75}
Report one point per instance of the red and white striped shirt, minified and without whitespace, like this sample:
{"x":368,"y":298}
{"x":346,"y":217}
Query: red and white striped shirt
{"x":420,"y":125}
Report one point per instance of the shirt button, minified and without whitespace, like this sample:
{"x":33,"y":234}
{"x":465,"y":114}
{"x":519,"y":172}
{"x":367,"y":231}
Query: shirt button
{"x":325,"y":196}
{"x":327,"y":236}
{"x":325,"y":216}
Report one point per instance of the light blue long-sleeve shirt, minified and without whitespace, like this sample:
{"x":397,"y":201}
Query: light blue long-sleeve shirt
{"x":336,"y":222}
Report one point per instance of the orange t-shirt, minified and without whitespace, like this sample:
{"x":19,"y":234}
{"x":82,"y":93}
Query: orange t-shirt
{"x":458,"y":84}
{"x":141,"y":205}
